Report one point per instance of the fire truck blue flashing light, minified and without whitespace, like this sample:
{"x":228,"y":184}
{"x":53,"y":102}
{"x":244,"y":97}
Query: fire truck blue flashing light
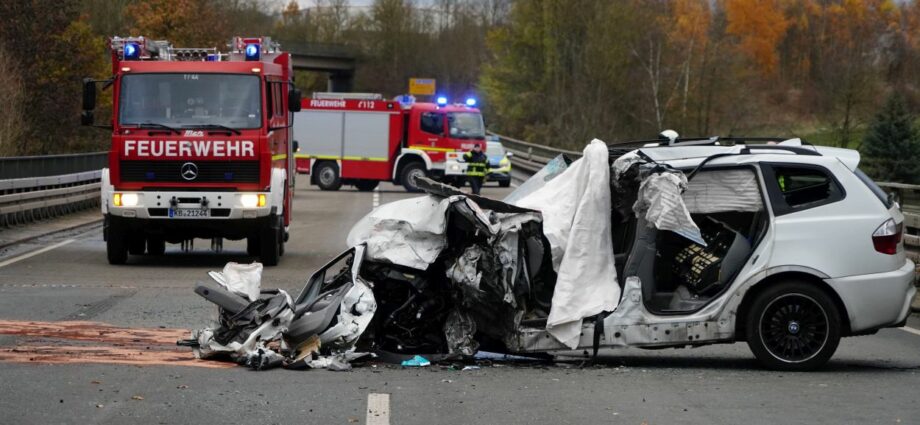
{"x":212,"y":58}
{"x":471,"y":102}
{"x":132,"y":51}
{"x":442,"y":100}
{"x":252,"y":52}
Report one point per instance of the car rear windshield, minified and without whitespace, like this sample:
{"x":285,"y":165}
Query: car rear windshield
{"x":878,"y":191}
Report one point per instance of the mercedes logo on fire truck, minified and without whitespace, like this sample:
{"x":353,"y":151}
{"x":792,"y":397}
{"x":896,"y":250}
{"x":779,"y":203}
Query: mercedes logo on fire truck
{"x":189,"y":171}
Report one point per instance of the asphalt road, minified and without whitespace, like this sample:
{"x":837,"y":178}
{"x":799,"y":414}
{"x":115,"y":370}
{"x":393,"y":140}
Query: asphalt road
{"x":44,"y":377}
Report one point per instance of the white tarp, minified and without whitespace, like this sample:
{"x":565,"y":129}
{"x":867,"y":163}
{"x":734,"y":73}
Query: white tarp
{"x":408,"y":232}
{"x":576,"y":221}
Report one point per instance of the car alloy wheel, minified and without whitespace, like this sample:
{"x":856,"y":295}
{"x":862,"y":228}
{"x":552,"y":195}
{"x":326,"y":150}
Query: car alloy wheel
{"x":794,"y":328}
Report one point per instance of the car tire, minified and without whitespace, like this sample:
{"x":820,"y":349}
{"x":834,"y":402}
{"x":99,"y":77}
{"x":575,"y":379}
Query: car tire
{"x":156,"y":246}
{"x":270,"y":247}
{"x":253,"y":247}
{"x":409,"y":173}
{"x":504,"y":183}
{"x":116,"y":247}
{"x":366,"y":185}
{"x":793,"y":326}
{"x":327,"y":176}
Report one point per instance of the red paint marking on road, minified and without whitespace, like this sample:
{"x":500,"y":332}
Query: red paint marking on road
{"x":93,"y":342}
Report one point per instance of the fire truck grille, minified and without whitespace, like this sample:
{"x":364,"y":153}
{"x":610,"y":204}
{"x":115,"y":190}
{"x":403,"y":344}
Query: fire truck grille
{"x":198,"y":172}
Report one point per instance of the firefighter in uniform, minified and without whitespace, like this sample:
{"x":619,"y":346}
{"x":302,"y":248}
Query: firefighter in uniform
{"x":476,"y":165}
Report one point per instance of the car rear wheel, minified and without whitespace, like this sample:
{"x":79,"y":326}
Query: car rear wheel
{"x":504,"y":183}
{"x":793,"y":326}
{"x":327,"y":176}
{"x":409,"y":174}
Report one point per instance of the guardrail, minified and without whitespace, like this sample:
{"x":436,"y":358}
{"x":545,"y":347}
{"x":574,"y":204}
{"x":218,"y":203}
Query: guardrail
{"x":530,"y":158}
{"x":38,"y":187}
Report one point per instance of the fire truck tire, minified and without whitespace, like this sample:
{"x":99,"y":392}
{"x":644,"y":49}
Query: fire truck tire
{"x":366,"y":185}
{"x":409,"y":173}
{"x":271,"y":246}
{"x":156,"y":246}
{"x":116,"y":247}
{"x":253,"y":247}
{"x":327,"y":176}
{"x":137,"y":245}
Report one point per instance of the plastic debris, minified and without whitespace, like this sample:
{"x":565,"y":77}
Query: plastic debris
{"x":471,"y":368}
{"x":416,"y":362}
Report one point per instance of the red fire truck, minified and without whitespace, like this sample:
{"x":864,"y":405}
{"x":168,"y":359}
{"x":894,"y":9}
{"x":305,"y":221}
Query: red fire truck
{"x":361,"y":139}
{"x":201,"y":146}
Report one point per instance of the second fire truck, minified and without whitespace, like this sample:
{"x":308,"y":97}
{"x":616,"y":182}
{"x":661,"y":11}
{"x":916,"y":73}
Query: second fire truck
{"x":201,"y":146}
{"x":361,"y":139}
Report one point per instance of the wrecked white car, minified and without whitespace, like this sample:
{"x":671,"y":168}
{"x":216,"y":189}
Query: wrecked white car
{"x":786,"y":246}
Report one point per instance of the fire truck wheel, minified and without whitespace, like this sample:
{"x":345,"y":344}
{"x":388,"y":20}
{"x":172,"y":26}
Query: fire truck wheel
{"x":281,"y":241}
{"x":116,"y":248}
{"x":156,"y":246}
{"x":137,"y":245}
{"x":366,"y":185}
{"x":271,"y":246}
{"x":327,"y":176}
{"x":252,"y":246}
{"x":410,"y":173}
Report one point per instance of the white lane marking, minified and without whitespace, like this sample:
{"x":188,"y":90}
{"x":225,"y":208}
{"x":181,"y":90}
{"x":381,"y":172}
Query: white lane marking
{"x":376,"y":196}
{"x":378,"y":409}
{"x":36,"y":252}
{"x":910,"y":330}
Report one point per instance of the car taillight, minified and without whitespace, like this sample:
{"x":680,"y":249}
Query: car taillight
{"x":887,"y":237}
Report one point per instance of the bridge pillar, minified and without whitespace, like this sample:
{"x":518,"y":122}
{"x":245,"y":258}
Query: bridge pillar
{"x":340,"y":82}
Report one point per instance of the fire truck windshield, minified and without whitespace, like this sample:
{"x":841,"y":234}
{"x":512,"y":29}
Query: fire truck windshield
{"x":191,"y":100}
{"x":465,"y":125}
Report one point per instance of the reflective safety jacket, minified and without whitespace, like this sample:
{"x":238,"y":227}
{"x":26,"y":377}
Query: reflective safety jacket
{"x":476,"y":163}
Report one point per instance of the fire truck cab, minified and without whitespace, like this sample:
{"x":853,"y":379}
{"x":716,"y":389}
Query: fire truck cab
{"x":361,"y":139}
{"x":202,"y":146}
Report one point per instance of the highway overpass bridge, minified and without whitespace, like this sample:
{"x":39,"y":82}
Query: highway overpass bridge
{"x":336,"y":60}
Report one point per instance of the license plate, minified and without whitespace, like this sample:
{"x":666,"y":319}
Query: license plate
{"x":189,"y":212}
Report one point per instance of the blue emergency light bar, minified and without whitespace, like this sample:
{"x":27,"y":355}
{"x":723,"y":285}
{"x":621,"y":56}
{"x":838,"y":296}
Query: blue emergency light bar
{"x":471,"y":102}
{"x":442,"y":100}
{"x":253,"y":52}
{"x":132,"y":51}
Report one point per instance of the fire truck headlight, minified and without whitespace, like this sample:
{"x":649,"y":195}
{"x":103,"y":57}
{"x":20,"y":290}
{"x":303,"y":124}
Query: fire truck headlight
{"x":252,"y":52}
{"x":116,"y":199}
{"x":129,"y":199}
{"x":249,"y":200}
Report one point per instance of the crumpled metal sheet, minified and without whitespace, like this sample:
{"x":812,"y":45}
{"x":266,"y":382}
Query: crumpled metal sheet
{"x":408,"y":232}
{"x":459,"y":330}
{"x":357,"y":310}
{"x":249,"y":334}
{"x":661,"y":205}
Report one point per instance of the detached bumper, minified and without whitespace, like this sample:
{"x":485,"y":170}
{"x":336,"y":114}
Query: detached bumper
{"x":877,"y":300}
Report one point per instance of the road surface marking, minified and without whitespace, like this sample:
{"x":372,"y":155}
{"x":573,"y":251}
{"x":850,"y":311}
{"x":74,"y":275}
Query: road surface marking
{"x":376,"y":197}
{"x":36,"y":252}
{"x":378,"y":409}
{"x":910,"y":330}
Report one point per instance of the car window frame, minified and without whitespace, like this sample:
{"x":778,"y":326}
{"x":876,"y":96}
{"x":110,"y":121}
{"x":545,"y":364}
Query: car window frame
{"x":778,"y":202}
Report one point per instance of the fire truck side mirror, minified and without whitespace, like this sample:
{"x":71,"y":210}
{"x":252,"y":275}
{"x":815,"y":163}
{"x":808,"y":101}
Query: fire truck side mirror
{"x":89,"y":94}
{"x":294,"y":100}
